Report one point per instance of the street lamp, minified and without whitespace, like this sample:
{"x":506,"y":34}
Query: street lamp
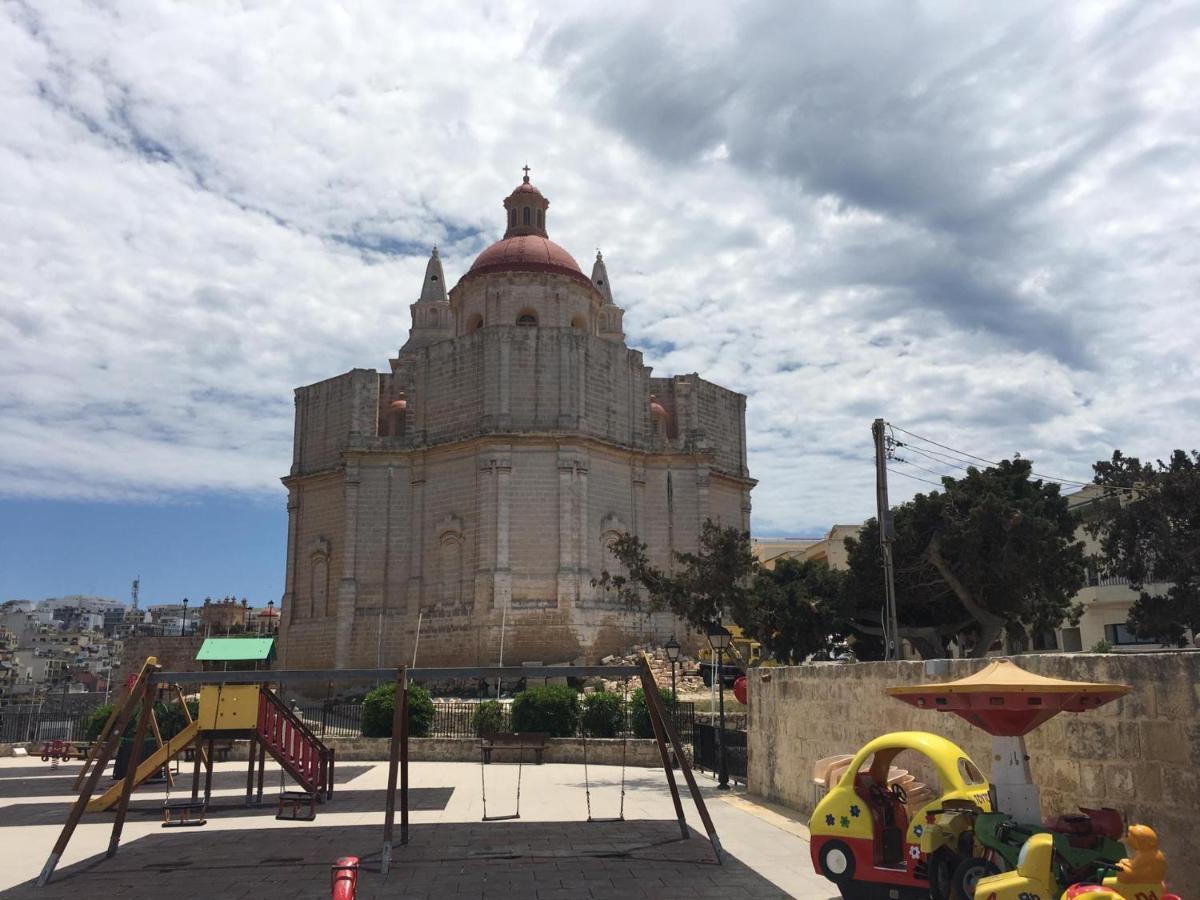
{"x":718,"y":639}
{"x":183,"y":627}
{"x":672,"y":648}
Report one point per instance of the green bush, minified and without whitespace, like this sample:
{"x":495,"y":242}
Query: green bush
{"x":488,"y":718}
{"x":553,"y":709}
{"x":169,"y":716}
{"x":640,"y":715}
{"x":379,"y":707}
{"x":603,"y":714}
{"x":94,"y":723}
{"x":171,"y":719}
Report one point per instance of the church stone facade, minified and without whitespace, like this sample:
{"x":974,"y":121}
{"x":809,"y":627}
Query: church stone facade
{"x":458,"y":505}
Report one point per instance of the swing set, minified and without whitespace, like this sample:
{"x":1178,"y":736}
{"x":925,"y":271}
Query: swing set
{"x":241,"y":702}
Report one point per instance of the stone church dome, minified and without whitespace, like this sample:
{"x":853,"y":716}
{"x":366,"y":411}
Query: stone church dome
{"x":526,"y":247}
{"x":526,"y":253}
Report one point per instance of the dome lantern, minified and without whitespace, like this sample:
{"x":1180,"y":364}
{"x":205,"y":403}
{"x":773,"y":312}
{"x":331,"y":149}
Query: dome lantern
{"x":525,"y":209}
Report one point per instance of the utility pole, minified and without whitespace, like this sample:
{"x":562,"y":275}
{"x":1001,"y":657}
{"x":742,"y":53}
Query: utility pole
{"x":887,"y":533}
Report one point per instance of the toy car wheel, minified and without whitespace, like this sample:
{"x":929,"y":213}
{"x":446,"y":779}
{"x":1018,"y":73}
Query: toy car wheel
{"x":967,"y":875}
{"x":941,"y":875}
{"x":837,"y":862}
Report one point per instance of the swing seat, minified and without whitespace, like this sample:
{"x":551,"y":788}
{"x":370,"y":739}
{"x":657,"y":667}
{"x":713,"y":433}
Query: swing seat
{"x":515,"y":815}
{"x":184,"y":808}
{"x":297,"y":802}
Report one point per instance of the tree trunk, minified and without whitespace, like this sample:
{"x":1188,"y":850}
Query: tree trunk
{"x":990,"y":624}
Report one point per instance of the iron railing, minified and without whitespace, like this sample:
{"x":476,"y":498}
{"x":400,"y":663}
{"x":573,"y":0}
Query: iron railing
{"x":705,"y":752}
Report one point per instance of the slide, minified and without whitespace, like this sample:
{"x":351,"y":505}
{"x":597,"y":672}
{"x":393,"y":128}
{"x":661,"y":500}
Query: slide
{"x":151,"y":764}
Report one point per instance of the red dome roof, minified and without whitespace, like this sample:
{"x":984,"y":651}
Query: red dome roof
{"x":526,"y":253}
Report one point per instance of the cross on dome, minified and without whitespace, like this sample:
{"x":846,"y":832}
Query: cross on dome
{"x":525,"y":169}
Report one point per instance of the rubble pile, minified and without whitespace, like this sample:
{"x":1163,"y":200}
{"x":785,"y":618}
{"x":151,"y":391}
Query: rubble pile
{"x":687,"y":670}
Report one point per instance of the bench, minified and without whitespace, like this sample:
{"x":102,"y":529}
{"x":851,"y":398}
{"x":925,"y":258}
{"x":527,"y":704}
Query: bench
{"x":220,"y":751}
{"x":297,"y":802}
{"x":522,"y":741}
{"x":184,"y":807}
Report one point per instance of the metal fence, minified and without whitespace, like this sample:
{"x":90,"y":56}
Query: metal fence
{"x":31,"y":722}
{"x":455,"y":719}
{"x":706,"y":755}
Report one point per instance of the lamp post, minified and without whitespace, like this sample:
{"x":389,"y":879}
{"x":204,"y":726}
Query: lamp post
{"x":183,"y":626}
{"x":718,"y":639}
{"x":270,"y":616}
{"x":672,"y":648}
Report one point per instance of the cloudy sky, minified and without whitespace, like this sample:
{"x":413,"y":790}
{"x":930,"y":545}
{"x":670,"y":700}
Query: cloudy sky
{"x":976,"y":220}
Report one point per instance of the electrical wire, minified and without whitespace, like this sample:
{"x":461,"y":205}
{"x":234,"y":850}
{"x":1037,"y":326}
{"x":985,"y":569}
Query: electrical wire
{"x":915,"y":478}
{"x":991,"y":462}
{"x":909,"y":462}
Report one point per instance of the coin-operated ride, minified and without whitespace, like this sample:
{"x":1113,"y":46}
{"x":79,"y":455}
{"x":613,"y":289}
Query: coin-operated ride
{"x":1140,"y":877}
{"x":873,"y":833}
{"x":1008,"y":702}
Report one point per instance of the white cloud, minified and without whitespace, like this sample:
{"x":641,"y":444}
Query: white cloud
{"x":981,"y":226}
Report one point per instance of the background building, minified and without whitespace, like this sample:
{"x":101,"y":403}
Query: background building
{"x":469,"y":494}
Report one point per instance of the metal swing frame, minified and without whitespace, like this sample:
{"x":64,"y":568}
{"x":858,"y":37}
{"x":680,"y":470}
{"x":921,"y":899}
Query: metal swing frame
{"x":141,"y":691}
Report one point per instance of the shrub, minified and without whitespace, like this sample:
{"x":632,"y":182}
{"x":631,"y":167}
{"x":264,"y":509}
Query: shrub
{"x":640,"y":715}
{"x":488,"y":718}
{"x":603,"y":714}
{"x":171,"y":719}
{"x":379,"y":706}
{"x":553,"y":709}
{"x":94,"y":723}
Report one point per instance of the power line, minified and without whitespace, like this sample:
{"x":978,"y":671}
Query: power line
{"x":922,"y":480}
{"x":943,"y":458}
{"x":909,"y":462}
{"x":992,"y":462}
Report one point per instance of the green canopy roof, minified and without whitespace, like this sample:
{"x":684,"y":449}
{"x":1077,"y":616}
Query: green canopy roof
{"x":236,"y":649}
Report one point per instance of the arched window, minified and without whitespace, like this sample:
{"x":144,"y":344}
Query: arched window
{"x":541,"y":219}
{"x":525,"y":216}
{"x":474,"y":323}
{"x":512,"y":216}
{"x":527,"y":317}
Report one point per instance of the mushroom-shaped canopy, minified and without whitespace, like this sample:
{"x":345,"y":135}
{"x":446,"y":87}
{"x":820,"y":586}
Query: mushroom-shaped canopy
{"x":1005,"y":700}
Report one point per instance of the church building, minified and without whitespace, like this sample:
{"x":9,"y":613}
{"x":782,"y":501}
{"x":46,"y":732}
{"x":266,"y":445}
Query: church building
{"x":457,"y":506}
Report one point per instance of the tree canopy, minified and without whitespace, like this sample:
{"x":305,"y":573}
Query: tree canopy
{"x":791,"y":609}
{"x":1148,"y":527}
{"x":701,"y":587}
{"x":993,"y":551}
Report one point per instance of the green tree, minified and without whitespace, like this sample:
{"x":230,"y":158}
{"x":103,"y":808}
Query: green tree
{"x":702,"y":588}
{"x":1148,"y":527}
{"x":796,"y":608}
{"x":379,"y":708}
{"x":993,"y":551}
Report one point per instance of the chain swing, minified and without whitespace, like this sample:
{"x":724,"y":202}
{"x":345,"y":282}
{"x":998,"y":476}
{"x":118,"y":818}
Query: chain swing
{"x":587,"y":785}
{"x":483,"y":775}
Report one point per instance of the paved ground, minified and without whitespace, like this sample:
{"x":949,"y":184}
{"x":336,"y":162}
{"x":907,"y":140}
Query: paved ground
{"x":551,"y":852}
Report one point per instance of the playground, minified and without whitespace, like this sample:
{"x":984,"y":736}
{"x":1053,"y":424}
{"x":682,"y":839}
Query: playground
{"x":595,"y":832}
{"x":550,"y":852}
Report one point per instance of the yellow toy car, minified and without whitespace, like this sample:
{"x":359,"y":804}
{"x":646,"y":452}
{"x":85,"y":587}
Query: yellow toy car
{"x":873,"y":834}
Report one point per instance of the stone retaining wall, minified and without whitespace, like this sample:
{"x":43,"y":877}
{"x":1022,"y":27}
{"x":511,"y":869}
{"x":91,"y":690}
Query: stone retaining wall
{"x":1139,"y":754}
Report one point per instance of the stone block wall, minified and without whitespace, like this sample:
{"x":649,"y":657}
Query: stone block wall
{"x":175,"y":654}
{"x":1139,"y":754}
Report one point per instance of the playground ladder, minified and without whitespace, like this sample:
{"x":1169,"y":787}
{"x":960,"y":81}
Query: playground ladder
{"x":293,"y":745}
